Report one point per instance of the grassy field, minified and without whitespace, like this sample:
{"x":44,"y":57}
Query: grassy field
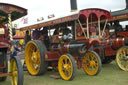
{"x":109,"y":75}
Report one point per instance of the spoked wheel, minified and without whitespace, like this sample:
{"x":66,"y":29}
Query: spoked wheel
{"x":67,"y":67}
{"x":3,"y":59}
{"x":91,"y":63}
{"x":34,"y":57}
{"x":122,"y":58}
{"x":17,"y":71}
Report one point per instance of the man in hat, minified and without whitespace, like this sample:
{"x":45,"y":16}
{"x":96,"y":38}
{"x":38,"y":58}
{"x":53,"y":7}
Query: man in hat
{"x":27,"y":37}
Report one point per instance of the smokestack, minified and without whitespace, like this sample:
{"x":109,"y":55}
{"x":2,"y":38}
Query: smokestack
{"x":73,"y":5}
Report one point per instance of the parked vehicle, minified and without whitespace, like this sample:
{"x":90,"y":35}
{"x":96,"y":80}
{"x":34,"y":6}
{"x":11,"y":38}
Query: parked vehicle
{"x":67,"y":43}
{"x":9,"y":13}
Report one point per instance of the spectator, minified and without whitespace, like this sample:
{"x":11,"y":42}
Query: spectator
{"x":118,"y":27}
{"x":36,"y":34}
{"x":27,"y":37}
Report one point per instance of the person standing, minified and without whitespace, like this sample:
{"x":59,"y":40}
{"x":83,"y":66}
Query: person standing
{"x":27,"y":37}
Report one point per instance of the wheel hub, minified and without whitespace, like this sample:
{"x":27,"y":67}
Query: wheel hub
{"x":66,"y":67}
{"x":92,"y":63}
{"x":34,"y":57}
{"x":125,"y":58}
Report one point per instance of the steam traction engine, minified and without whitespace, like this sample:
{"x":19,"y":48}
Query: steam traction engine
{"x":69,"y":42}
{"x":9,"y":13}
{"x":119,"y":49}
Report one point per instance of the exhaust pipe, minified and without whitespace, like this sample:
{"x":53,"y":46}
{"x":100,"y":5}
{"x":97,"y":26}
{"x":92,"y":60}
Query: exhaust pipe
{"x":73,"y":5}
{"x":126,"y":4}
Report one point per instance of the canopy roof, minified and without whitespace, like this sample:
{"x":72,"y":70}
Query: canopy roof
{"x":121,"y":15}
{"x":85,"y":12}
{"x":16,"y":12}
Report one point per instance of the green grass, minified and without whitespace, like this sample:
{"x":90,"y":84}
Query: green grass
{"x":109,"y":75}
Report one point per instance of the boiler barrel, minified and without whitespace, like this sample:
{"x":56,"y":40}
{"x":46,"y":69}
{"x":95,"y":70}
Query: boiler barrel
{"x":117,"y":43}
{"x":74,"y":47}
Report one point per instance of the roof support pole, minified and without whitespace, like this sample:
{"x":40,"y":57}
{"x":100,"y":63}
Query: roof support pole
{"x":87,"y":29}
{"x":99,"y":27}
{"x":10,"y":32}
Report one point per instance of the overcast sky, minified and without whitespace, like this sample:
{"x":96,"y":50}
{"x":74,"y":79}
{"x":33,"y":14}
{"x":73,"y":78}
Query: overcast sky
{"x":43,"y":8}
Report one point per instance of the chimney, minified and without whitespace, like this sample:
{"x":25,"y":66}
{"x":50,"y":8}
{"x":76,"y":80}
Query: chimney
{"x":73,"y":5}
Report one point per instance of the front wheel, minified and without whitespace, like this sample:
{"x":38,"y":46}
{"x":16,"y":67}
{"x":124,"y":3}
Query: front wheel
{"x":122,"y":58}
{"x":91,"y":63}
{"x":67,"y":67}
{"x":17,"y":71}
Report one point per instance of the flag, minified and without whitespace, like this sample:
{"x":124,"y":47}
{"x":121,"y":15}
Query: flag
{"x":25,"y":20}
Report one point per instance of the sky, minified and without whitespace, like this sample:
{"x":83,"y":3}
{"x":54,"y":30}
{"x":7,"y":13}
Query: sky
{"x":43,"y":8}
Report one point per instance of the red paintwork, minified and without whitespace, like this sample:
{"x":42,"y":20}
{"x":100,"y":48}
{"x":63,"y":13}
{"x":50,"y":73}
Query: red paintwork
{"x":4,"y":43}
{"x":112,"y":45}
{"x":97,"y":12}
{"x":123,"y":34}
{"x":117,"y":43}
{"x":3,"y":65}
{"x":109,"y":51}
{"x":9,"y":8}
{"x":5,"y":74}
{"x":50,"y":56}
{"x":18,"y":37}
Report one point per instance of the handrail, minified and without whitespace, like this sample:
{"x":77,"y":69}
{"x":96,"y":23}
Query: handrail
{"x":82,"y":28}
{"x":104,"y":27}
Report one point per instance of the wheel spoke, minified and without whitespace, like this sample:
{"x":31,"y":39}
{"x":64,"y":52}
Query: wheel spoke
{"x":31,"y":49}
{"x":88,"y":67}
{"x":121,"y":56}
{"x":36,"y":66}
{"x":93,"y":69}
{"x":124,"y":64}
{"x":15,"y":80}
{"x":69,"y":72}
{"x":65,"y":61}
{"x":88,"y":58}
{"x":95,"y":66}
{"x":91,"y":57}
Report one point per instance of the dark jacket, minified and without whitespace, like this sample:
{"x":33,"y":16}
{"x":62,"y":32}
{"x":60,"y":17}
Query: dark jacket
{"x":27,"y":38}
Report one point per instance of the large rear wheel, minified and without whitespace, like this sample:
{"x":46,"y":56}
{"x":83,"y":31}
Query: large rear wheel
{"x":17,"y":71}
{"x":122,"y":58}
{"x":34,"y":57}
{"x":67,"y":67}
{"x":91,"y":63}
